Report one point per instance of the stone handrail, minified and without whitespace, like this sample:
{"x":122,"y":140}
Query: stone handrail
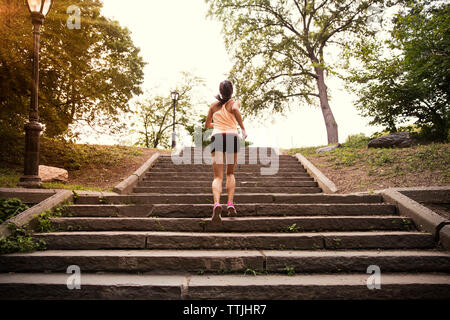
{"x":326,"y":184}
{"x":127,"y":185}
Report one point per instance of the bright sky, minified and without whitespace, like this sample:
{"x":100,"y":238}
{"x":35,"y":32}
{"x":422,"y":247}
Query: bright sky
{"x":176,"y":36}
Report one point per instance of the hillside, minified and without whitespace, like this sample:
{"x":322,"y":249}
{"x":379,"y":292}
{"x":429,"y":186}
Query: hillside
{"x":351,"y":168}
{"x":355,"y":169}
{"x":91,"y":167}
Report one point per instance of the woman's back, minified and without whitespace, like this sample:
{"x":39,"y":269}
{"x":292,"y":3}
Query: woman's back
{"x":224,"y":120}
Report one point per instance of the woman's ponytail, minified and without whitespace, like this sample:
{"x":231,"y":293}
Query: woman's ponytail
{"x":226,"y":91}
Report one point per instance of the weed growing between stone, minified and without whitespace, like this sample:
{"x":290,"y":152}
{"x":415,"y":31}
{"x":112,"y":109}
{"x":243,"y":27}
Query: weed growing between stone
{"x":44,"y":222}
{"x":11,"y":207}
{"x":291,"y":229}
{"x":289,"y":270}
{"x":20,"y":240}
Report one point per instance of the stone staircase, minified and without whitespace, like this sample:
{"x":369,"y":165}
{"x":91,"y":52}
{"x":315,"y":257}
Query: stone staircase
{"x":289,"y":241}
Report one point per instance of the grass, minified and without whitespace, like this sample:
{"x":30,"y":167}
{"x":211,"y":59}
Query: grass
{"x":9,"y":178}
{"x":372,"y":168}
{"x":435,"y":156}
{"x":73,"y":156}
{"x":59,"y":185}
{"x":252,"y":272}
{"x":90,"y":167}
{"x":390,"y":162}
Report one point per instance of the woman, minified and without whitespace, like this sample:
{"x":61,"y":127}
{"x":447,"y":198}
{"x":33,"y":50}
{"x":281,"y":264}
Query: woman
{"x":223,"y":116}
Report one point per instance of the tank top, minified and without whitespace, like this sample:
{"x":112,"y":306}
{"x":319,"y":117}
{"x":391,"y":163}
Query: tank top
{"x":224,"y":121}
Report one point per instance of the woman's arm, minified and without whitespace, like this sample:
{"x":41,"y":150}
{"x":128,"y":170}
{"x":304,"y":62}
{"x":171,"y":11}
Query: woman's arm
{"x":208,"y":123}
{"x":237,"y":114}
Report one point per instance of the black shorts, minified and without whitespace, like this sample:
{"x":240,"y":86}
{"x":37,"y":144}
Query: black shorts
{"x":225,"y":142}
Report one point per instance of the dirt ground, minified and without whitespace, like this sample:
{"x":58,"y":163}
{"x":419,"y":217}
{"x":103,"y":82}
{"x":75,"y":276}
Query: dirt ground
{"x":442,"y":209}
{"x":357,"y":178}
{"x":108,"y":177}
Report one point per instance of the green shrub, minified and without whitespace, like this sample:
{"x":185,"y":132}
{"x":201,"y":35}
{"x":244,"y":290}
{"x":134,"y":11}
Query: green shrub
{"x":428,"y":133}
{"x":381,"y":157}
{"x":344,"y":157}
{"x":356,"y":141}
{"x":11,"y":207}
{"x":423,"y":133}
{"x":44,"y":223}
{"x":20,"y":240}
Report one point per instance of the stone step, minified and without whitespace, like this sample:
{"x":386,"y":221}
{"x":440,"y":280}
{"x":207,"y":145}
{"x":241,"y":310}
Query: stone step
{"x":244,"y":169}
{"x":209,"y":177}
{"x":79,"y":240}
{"x":248,"y":183}
{"x":207,"y":157}
{"x":167,"y":164}
{"x":239,"y":224}
{"x":238,"y":167}
{"x":119,"y":286}
{"x":196,"y":261}
{"x":204,"y":210}
{"x":240,"y":162}
{"x":151,"y":198}
{"x":241,"y":153}
{"x":208,"y":174}
{"x":312,"y":188}
{"x":246,"y":149}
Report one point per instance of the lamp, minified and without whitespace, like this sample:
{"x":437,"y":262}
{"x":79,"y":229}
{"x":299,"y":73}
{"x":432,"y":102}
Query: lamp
{"x":38,"y":10}
{"x":174,"y":95}
{"x":39,"y":6}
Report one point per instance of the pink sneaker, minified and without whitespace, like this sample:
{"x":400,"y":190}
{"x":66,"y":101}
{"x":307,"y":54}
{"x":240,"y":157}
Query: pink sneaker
{"x":217,"y":210}
{"x":231,"y":209}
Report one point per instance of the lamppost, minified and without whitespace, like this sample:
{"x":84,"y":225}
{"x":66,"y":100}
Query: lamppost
{"x":38,"y":10}
{"x":175,"y":96}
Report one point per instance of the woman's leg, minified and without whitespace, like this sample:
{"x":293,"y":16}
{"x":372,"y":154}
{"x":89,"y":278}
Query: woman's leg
{"x":231,"y":180}
{"x":218,"y":176}
{"x":217,"y":188}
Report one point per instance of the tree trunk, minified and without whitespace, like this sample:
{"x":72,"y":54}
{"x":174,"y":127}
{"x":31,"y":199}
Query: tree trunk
{"x":330,"y":122}
{"x":156,"y":142}
{"x":147,"y":142}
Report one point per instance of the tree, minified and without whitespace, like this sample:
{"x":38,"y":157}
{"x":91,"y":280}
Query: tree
{"x":86,"y":75}
{"x":279,"y":48}
{"x":198,"y":127}
{"x":155,"y":113}
{"x":411,"y":81}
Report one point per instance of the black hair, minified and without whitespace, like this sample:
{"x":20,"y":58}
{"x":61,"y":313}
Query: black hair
{"x":226,"y":90}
